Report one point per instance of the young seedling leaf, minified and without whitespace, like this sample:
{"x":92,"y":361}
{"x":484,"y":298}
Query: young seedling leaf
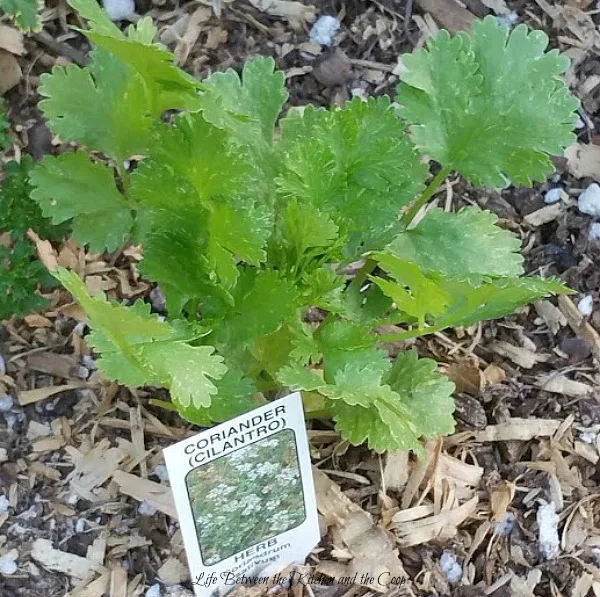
{"x":354,"y":163}
{"x":72,"y":187}
{"x":492,"y":105}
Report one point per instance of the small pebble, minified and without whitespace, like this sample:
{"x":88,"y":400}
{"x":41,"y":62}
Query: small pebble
{"x":333,"y":68}
{"x":595,"y":231}
{"x":588,"y":437}
{"x":160,"y":470}
{"x":146,"y":509}
{"x":153,"y":591}
{"x":450,"y":567}
{"x":580,"y":124}
{"x":324,"y":30}
{"x":119,"y":10}
{"x":506,"y":526}
{"x":577,"y":348}
{"x":586,"y":305}
{"x":4,"y":504}
{"x":553,"y":195}
{"x":80,"y":525}
{"x":508,"y":19}
{"x":8,"y":564}
{"x":158,"y":300}
{"x":178,"y":591}
{"x":6,"y":403}
{"x":10,"y":418}
{"x":2,"y":366}
{"x":589,"y":201}
{"x":547,"y":521}
{"x":79,"y":329}
{"x":28,"y":514}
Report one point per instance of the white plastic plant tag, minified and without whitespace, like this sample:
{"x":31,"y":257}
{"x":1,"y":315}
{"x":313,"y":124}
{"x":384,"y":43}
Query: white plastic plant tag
{"x":245,"y":497}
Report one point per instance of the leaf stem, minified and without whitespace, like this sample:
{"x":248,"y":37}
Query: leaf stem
{"x":427,"y":194}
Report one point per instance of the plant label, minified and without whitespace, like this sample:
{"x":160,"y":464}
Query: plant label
{"x":245,"y":497}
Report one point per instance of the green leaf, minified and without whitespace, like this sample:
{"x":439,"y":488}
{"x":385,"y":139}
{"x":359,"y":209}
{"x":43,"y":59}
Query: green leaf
{"x":201,"y":153}
{"x":460,"y":244}
{"x":96,"y":16}
{"x":169,"y":87}
{"x":413,"y":292}
{"x":236,"y":395}
{"x":296,"y":377}
{"x":492,"y":299}
{"x":104,"y":106}
{"x":303,"y":240}
{"x":136,"y":348}
{"x":354,"y":163}
{"x":491,"y":106}
{"x":426,"y":393}
{"x":71,"y":186}
{"x":386,"y":427}
{"x":25,"y":13}
{"x":263,"y":302}
{"x":247,"y":105}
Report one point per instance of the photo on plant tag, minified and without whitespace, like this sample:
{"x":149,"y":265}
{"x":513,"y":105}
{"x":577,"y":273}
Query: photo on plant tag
{"x":247,"y":496}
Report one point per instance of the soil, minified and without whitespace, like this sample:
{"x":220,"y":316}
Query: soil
{"x":42,"y":444}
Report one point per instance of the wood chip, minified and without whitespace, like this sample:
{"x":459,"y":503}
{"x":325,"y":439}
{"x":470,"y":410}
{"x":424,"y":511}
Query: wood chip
{"x":118,"y":582}
{"x":35,"y":320}
{"x":48,"y":444}
{"x":31,"y":396}
{"x":551,"y":315}
{"x":294,"y":12}
{"x":192,"y":32}
{"x":466,"y":376}
{"x":583,"y":160}
{"x":96,"y":588}
{"x":45,"y":250}
{"x":396,"y":470}
{"x":449,"y":14}
{"x":521,"y":356}
{"x":94,"y":468}
{"x":10,"y":71}
{"x":512,"y":429}
{"x":546,"y":214}
{"x":173,"y":572}
{"x":146,"y":491}
{"x":559,"y":384}
{"x":61,"y":561}
{"x":11,"y":40}
{"x":372,"y":547}
{"x":442,"y":525}
{"x":58,"y":365}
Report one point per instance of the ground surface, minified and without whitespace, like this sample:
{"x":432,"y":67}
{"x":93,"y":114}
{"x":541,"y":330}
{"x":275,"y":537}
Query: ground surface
{"x":80,"y":464}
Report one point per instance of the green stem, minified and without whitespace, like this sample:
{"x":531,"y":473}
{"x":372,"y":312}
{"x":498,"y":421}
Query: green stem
{"x":427,"y":194}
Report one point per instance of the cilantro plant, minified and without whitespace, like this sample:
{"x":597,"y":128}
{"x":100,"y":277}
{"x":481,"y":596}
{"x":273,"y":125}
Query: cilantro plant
{"x":249,"y":231}
{"x":20,"y":272}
